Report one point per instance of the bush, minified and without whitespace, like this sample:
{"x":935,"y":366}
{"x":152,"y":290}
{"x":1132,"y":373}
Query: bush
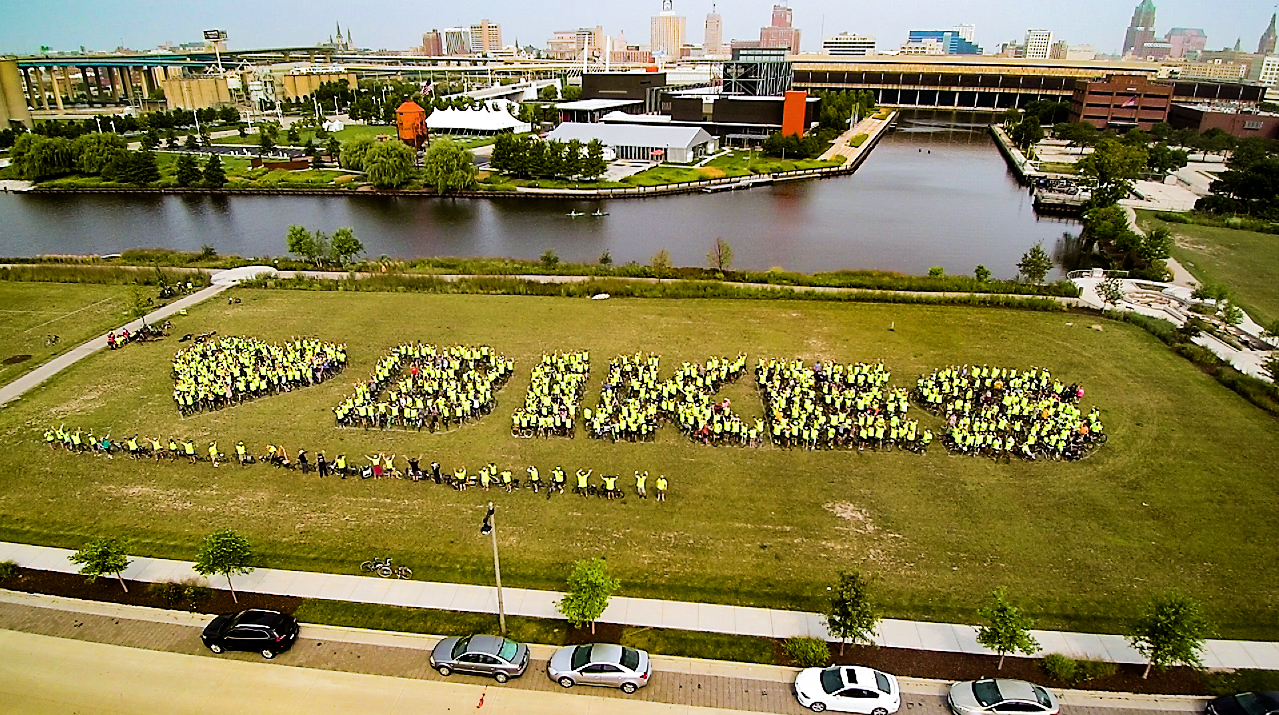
{"x":8,"y":569}
{"x":807,"y":652}
{"x":1086,"y":670}
{"x":1059,"y":667}
{"x":858,"y":140}
{"x":169,"y":593}
{"x":173,"y":593}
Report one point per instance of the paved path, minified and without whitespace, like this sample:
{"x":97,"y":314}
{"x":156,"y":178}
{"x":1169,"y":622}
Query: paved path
{"x":642,"y":612}
{"x":868,"y":126}
{"x":51,"y":637}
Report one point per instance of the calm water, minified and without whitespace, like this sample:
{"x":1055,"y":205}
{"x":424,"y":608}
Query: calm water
{"x":934,"y":192}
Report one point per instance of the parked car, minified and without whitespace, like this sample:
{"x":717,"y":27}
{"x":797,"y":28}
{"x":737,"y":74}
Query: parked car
{"x":1245,"y":704}
{"x":267,"y":632}
{"x":978,"y":697}
{"x":600,"y":664}
{"x":482,"y":655}
{"x":848,"y":689}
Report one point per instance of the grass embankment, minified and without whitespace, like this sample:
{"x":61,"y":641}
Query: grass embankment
{"x":1246,"y":261}
{"x":347,"y":133}
{"x":240,"y":175}
{"x":34,"y":312}
{"x":1168,"y":502}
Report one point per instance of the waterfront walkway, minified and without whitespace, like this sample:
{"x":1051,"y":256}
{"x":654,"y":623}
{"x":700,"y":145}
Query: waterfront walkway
{"x":642,"y":612}
{"x":869,"y":126}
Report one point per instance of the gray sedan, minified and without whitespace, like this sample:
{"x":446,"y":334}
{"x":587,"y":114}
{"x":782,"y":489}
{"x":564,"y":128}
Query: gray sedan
{"x":600,"y":664}
{"x":481,"y":655}
{"x":991,"y":696}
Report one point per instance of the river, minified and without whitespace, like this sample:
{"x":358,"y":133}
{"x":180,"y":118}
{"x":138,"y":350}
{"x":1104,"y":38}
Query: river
{"x":934,"y":192}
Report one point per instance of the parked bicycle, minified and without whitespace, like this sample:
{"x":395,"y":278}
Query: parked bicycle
{"x":51,"y":340}
{"x":383,"y":568}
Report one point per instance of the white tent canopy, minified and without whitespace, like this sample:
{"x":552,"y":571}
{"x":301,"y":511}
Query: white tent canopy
{"x":474,"y":121}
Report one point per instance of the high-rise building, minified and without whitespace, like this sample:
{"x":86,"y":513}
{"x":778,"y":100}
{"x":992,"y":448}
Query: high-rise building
{"x":849,"y":45}
{"x":1060,"y":49}
{"x":1142,"y":28}
{"x":457,"y":40}
{"x":1269,"y":73}
{"x":949,"y":41}
{"x":1267,"y":44}
{"x":780,"y":32}
{"x":1039,"y":44}
{"x":486,"y":37}
{"x":433,"y":44}
{"x":713,"y":42}
{"x":1184,"y":41}
{"x":666,"y":31}
{"x":966,"y":31}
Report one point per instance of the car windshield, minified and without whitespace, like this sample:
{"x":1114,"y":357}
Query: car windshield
{"x":987,"y":692}
{"x":581,"y":656}
{"x":1042,"y":696}
{"x":630,"y":659}
{"x":832,"y":681}
{"x":1251,"y":703}
{"x":507,"y":651}
{"x":881,"y":681}
{"x":460,"y":648}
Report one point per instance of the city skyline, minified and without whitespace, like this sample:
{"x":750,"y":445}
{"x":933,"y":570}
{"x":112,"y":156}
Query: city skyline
{"x":64,"y":25}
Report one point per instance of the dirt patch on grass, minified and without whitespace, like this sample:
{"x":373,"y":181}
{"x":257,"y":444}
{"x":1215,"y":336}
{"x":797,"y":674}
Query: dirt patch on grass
{"x":712,"y":172}
{"x":859,"y":521}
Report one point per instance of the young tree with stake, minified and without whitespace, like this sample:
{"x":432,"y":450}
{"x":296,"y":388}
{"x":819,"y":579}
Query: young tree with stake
{"x":1009,"y":629}
{"x":225,"y":552}
{"x":106,"y":555}
{"x":851,"y":614}
{"x":589,"y":589}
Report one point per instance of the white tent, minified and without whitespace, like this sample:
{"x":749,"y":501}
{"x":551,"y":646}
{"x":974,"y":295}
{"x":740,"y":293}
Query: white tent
{"x":474,"y":121}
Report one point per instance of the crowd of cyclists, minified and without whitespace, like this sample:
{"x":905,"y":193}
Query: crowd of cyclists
{"x":1003,"y":412}
{"x":487,"y":477}
{"x":554,"y":394}
{"x":419,"y":385}
{"x":225,"y":372}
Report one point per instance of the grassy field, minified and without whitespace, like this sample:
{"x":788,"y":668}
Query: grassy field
{"x":1247,"y":261}
{"x":1175,"y":499}
{"x":34,"y":311}
{"x":353,"y":131}
{"x":740,"y":163}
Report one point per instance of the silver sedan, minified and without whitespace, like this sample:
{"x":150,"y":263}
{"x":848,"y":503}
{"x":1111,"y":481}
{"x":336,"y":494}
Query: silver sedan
{"x":603,"y":664}
{"x":500,"y":658}
{"x":990,"y":696}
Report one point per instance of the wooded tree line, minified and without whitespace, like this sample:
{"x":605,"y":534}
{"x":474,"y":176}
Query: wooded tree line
{"x":527,"y":156}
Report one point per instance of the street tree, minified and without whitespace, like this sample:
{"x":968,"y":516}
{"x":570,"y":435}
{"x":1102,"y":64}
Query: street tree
{"x":265,"y":143}
{"x":589,"y":589}
{"x":1035,"y":264}
{"x":187,"y":173}
{"x":1009,"y":629}
{"x":721,"y":255}
{"x":449,"y":166}
{"x":390,"y":164}
{"x":1110,"y":291}
{"x":344,"y":246}
{"x":981,"y":273}
{"x":1171,"y":630}
{"x":105,"y":555}
{"x":851,"y":613}
{"x":214,"y":174}
{"x":660,"y":263}
{"x":227,"y":553}
{"x":1111,"y":168}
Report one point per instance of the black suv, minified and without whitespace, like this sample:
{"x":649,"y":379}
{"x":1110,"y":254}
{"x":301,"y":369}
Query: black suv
{"x":266,"y":632}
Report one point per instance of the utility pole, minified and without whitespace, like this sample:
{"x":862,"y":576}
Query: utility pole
{"x":490,"y":527}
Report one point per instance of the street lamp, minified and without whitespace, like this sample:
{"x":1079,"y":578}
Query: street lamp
{"x":489,"y":527}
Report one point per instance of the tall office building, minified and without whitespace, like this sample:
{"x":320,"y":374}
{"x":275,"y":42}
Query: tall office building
{"x":486,"y":37}
{"x":938,"y":42}
{"x":457,"y":40}
{"x":966,"y":31}
{"x":1183,"y":41}
{"x":849,"y":45}
{"x":781,"y":32}
{"x":433,"y":44}
{"x":1267,"y":44}
{"x":1142,"y":28}
{"x":1039,"y":44}
{"x":666,"y":32}
{"x":713,"y":42}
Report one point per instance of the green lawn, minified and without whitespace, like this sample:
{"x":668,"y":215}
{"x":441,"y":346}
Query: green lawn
{"x":347,"y":133}
{"x":740,"y":163}
{"x":1247,"y":261}
{"x":32,"y":312}
{"x":1175,"y":499}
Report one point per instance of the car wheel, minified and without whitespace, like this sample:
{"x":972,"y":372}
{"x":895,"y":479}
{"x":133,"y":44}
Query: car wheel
{"x":879,"y":711}
{"x":629,"y":688}
{"x":215,"y":647}
{"x":446,"y":671}
{"x":268,"y":654}
{"x":818,"y":707}
{"x":501,"y":677}
{"x":566,"y":682}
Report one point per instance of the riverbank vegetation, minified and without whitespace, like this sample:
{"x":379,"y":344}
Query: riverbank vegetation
{"x":936,"y":530}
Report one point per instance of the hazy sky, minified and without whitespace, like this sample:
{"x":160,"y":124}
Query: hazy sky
{"x":25,"y":25}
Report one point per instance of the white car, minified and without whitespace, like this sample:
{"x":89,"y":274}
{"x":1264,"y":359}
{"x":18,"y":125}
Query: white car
{"x":848,"y":689}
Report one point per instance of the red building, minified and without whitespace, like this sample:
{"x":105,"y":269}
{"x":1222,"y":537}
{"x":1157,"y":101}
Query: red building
{"x":410,"y":122}
{"x":1121,"y":102}
{"x":1239,"y":124}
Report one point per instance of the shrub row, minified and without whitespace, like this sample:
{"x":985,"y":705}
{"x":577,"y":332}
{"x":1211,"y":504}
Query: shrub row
{"x":1069,"y":671}
{"x":101,"y":275}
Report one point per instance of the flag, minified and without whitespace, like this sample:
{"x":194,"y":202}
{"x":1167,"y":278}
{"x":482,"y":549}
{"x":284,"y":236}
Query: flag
{"x":1130,"y":102}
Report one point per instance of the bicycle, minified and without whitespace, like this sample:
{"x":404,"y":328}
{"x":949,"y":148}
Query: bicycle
{"x":51,"y":340}
{"x":382,"y":567}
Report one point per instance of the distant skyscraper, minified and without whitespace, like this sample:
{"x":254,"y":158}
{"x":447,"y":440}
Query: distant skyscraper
{"x":457,"y":41}
{"x":1142,"y":28}
{"x":486,"y":37}
{"x":432,"y":44}
{"x":713,"y":42}
{"x":966,"y":31}
{"x":1039,"y":44}
{"x":780,"y":33}
{"x":667,"y":31}
{"x":849,"y":45}
{"x":948,"y":42}
{"x":1183,"y":41}
{"x":1267,"y":44}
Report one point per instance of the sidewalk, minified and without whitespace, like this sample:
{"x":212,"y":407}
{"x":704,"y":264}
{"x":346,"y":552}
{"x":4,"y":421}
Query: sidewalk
{"x":868,"y":126}
{"x":641,"y":612}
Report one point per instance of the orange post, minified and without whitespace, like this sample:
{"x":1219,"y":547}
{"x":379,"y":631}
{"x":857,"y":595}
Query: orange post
{"x":794,"y":110}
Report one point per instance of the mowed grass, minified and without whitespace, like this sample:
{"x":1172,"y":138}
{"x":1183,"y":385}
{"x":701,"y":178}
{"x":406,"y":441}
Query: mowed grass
{"x":31,"y":312}
{"x":1177,"y":498}
{"x":1246,"y":261}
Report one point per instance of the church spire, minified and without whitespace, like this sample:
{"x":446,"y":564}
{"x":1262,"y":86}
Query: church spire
{"x":1267,"y":44}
